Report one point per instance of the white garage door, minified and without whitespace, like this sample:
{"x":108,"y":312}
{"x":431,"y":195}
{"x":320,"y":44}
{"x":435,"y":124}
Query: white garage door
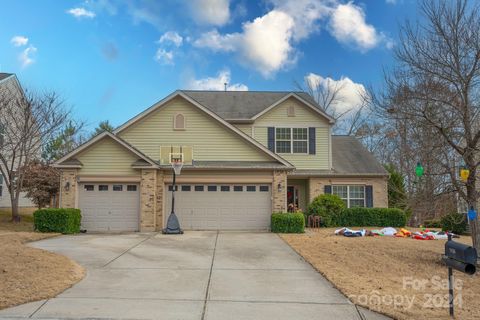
{"x":109,"y":207}
{"x":221,"y":206}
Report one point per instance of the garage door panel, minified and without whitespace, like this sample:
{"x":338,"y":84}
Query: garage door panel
{"x":111,"y":210}
{"x":227,"y":210}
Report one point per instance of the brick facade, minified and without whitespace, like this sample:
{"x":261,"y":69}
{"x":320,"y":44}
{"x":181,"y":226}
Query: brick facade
{"x":279,"y":198}
{"x":148,"y":201}
{"x":380,"y":187}
{"x":68,"y":198}
{"x":159,"y":199}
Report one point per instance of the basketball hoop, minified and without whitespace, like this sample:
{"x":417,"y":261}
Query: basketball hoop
{"x":177,"y":165}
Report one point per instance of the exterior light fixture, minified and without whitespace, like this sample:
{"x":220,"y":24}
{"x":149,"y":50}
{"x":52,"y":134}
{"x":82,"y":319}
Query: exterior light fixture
{"x":279,"y":187}
{"x":67,"y":186}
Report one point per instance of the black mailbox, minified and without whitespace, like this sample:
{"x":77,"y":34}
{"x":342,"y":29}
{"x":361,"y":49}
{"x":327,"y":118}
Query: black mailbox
{"x":460,"y":257}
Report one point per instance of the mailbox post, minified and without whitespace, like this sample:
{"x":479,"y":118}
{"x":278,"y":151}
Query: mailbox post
{"x":460,"y":257}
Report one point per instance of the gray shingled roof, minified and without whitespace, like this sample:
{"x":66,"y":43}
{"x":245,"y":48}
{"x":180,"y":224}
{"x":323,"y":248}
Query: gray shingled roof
{"x":350,"y":158}
{"x":241,"y":104}
{"x":4,"y":75}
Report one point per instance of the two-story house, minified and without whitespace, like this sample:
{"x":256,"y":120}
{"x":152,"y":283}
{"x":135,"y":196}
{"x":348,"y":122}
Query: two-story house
{"x":9,"y":85}
{"x":245,"y":154}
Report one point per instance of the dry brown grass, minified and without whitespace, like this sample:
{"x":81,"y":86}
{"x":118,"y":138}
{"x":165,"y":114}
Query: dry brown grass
{"x":368,"y":267}
{"x":28,"y":274}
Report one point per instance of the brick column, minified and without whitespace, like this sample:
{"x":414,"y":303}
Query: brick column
{"x":68,"y":198}
{"x":279,"y":201}
{"x":147,"y":200}
{"x":316,"y":187}
{"x":159,"y":197}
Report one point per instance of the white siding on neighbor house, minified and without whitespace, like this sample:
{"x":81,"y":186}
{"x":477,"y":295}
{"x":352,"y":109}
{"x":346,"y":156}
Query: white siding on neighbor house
{"x":107,"y":157}
{"x":304,"y":117}
{"x":211,"y":140}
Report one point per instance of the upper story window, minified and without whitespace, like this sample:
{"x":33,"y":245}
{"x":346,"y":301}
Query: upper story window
{"x":352,"y":196}
{"x":179,"y":121}
{"x":291,"y":140}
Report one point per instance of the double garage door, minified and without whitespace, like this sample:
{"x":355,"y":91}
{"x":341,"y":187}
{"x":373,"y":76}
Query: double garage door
{"x":221,"y":206}
{"x":109,"y":207}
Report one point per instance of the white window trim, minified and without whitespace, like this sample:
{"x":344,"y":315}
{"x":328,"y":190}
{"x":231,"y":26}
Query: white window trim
{"x":348,"y":193}
{"x":291,"y":140}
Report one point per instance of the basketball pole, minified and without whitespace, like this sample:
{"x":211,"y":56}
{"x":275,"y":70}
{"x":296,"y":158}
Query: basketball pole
{"x":173,"y":226}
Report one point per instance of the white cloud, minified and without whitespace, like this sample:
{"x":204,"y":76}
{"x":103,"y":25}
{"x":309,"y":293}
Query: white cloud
{"x":163,"y":56}
{"x":19,"y":41}
{"x":348,"y":26}
{"x":81,"y":13}
{"x":350,"y":94}
{"x":216,"y":83}
{"x":211,"y":12}
{"x":264,"y":43}
{"x":172,"y":37}
{"x":26,"y":56}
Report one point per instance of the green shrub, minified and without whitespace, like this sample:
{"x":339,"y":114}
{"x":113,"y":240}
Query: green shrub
{"x":433,"y":223}
{"x":288,"y":222}
{"x":62,"y":220}
{"x":327,"y":206}
{"x":454,"y":222}
{"x":371,"y":217}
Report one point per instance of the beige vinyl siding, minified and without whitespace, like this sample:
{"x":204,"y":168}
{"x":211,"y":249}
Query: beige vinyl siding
{"x":246,"y":128}
{"x":211,"y":140}
{"x":304,"y":117}
{"x":107,"y":157}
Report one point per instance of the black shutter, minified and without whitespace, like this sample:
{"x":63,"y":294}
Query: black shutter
{"x":369,"y":196}
{"x":271,"y":139}
{"x":311,"y":140}
{"x":327,"y":189}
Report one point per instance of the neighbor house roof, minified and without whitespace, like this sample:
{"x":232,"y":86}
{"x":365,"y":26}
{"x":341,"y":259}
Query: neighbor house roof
{"x":349,"y":158}
{"x":245,"y":105}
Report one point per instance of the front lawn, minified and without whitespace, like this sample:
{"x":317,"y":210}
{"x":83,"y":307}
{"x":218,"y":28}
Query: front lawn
{"x":28,"y":274}
{"x":400,"y":277}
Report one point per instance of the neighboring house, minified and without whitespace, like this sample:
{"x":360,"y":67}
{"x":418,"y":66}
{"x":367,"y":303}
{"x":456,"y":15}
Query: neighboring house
{"x":247,"y":154}
{"x":9,"y":84}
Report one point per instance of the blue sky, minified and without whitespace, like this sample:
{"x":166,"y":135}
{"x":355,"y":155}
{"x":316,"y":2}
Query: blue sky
{"x":112,"y":59}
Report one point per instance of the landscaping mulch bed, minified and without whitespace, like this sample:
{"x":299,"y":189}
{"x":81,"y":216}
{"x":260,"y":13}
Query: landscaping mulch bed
{"x":28,"y":274}
{"x":400,"y":277}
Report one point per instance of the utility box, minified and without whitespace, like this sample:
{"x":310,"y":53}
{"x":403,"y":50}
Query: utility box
{"x":460,"y":257}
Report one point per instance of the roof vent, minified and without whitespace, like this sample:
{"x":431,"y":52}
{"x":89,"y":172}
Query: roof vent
{"x":291,"y":111}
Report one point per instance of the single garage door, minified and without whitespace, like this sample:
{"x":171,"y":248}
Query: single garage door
{"x":109,"y":207}
{"x":221,"y":206}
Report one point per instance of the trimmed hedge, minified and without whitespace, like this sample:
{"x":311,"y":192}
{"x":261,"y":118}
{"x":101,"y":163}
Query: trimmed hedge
{"x":454,"y":222}
{"x":371,"y":217}
{"x":327,"y":206}
{"x":288,"y":222}
{"x":433,"y":223}
{"x":62,"y":220}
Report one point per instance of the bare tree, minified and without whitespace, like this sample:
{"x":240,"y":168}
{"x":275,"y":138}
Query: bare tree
{"x":27,"y":120}
{"x":437,"y":78}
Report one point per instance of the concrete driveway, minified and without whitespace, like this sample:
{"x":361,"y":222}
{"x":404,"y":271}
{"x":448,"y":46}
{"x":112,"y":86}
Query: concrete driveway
{"x":198,"y":275}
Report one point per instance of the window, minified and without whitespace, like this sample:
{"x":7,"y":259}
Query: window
{"x":225,"y":188}
{"x":89,"y":187}
{"x":251,"y":188}
{"x":117,"y":187}
{"x":352,"y":196}
{"x":170,"y":188}
{"x":131,"y":187}
{"x":291,"y":140}
{"x":198,"y":188}
{"x":212,"y":188}
{"x":179,"y":122}
{"x":102,"y":187}
{"x":186,"y":188}
{"x":238,"y":188}
{"x":263,"y":188}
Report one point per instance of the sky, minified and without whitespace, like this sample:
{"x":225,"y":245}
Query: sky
{"x":111,"y":59}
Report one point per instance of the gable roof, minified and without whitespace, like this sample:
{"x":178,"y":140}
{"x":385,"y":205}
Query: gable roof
{"x":5,"y":75}
{"x":209,"y":112}
{"x":248,"y":105}
{"x":68,"y":161}
{"x":349,"y":156}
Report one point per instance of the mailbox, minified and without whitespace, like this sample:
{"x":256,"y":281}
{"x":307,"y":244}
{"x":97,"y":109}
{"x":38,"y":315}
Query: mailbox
{"x":460,"y":257}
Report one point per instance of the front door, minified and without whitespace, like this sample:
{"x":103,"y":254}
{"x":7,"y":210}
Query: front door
{"x":292,"y":198}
